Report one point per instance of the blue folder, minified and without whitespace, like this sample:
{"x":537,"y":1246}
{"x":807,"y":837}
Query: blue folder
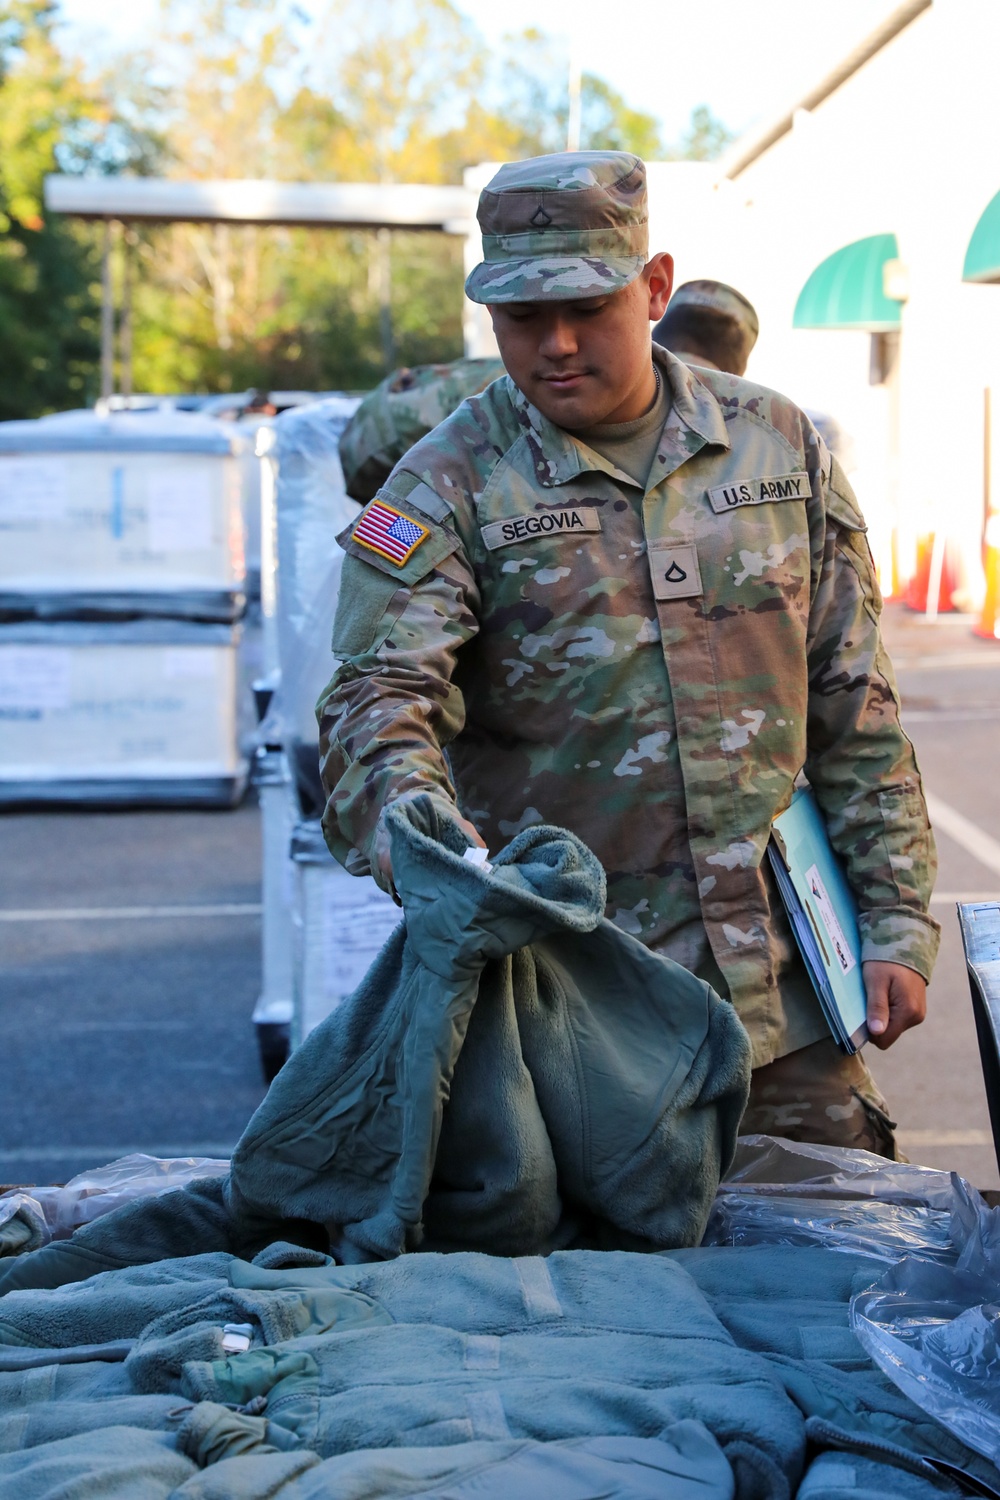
{"x":823,"y":914}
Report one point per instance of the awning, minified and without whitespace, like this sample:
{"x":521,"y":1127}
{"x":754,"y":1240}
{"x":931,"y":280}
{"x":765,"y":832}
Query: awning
{"x":845,"y":290}
{"x":982,"y":259}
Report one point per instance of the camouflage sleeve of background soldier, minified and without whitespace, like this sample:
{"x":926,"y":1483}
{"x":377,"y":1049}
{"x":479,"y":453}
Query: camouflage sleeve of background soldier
{"x":391,"y":706}
{"x":860,"y":763}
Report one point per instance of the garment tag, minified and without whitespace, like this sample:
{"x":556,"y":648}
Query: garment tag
{"x":759,"y":491}
{"x":567,"y":520}
{"x":478,"y":857}
{"x":675,"y":571}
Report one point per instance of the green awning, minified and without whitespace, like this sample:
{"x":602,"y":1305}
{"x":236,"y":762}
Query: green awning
{"x":845,"y":290}
{"x":982,"y":259}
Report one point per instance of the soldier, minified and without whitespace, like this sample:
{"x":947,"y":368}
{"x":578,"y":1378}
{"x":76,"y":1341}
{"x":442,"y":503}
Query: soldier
{"x":710,"y":324}
{"x":635,"y":599}
{"x":399,"y":411}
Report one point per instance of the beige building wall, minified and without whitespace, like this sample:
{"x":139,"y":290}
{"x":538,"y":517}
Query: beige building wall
{"x":907,"y":145}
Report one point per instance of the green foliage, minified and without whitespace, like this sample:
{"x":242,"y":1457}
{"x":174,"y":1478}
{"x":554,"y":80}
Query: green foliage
{"x":705,"y":138}
{"x":47,"y":309}
{"x":375,"y":90}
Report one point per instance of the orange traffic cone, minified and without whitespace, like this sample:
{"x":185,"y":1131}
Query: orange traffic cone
{"x":918,"y":591}
{"x":989,"y":620}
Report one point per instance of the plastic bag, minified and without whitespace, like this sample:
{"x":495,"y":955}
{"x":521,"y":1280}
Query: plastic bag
{"x":22,"y":1224}
{"x":781,"y":1192}
{"x":935,"y":1330}
{"x":772,"y":1165}
{"x":93,"y":1193}
{"x":858,"y":1226}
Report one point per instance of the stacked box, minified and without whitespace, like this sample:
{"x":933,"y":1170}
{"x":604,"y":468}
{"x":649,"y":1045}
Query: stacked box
{"x":124,"y":712}
{"x":122,"y":582}
{"x":121,"y":515}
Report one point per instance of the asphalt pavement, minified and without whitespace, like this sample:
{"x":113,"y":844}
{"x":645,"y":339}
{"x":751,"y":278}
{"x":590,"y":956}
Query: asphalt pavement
{"x":126,"y":1018}
{"x":130,"y":955}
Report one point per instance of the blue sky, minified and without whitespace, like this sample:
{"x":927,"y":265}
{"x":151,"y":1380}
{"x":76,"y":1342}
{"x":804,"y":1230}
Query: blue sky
{"x":665,"y":56}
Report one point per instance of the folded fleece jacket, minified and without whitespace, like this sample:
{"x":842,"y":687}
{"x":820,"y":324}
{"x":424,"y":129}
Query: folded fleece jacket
{"x":514,"y":1074}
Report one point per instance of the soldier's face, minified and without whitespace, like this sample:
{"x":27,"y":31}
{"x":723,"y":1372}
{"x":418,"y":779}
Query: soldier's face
{"x":586,"y":362}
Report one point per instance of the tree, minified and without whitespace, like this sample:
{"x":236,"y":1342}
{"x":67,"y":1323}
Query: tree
{"x":704,"y":139}
{"x":370,"y":90}
{"x":48,"y":323}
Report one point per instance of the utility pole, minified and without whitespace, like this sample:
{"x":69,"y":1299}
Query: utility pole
{"x":573,"y":120}
{"x":125,"y":322}
{"x":107,"y":315}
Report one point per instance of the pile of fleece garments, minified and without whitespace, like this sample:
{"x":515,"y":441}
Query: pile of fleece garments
{"x":540,"y":1108}
{"x":704,"y":1374}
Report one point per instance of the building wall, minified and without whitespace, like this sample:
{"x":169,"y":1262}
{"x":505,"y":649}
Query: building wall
{"x":907,"y":144}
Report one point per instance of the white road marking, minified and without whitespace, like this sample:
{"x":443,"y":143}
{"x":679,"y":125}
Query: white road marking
{"x":944,"y":1137}
{"x":945,"y":659}
{"x":945,"y":898}
{"x":950,"y":715}
{"x":971,"y":838}
{"x":100,"y":1156}
{"x":128,"y":913}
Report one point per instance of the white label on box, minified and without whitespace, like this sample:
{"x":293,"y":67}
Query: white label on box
{"x":356,"y":925}
{"x":189,"y":662}
{"x":33,"y":678}
{"x":33,"y":489}
{"x":841,"y":948}
{"x":179,"y":507}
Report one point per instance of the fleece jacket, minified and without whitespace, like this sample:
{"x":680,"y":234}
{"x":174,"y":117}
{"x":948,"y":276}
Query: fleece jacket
{"x":515,"y":1073}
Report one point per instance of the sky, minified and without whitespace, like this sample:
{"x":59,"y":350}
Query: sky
{"x":745,"y":61}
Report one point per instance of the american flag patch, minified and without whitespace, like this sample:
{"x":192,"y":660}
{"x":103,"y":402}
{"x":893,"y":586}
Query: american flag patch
{"x":389,"y":533}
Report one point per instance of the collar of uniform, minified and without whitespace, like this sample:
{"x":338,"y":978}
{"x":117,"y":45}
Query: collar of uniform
{"x":693,"y":408}
{"x":694,"y":418}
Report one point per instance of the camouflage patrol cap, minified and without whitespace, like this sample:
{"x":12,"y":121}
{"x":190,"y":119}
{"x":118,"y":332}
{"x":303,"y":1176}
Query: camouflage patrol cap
{"x":721,"y":298}
{"x":560,"y":227}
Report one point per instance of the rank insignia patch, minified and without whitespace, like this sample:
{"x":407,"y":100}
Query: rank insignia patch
{"x":389,"y":533}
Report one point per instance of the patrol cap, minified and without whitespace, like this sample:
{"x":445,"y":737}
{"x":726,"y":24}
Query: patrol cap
{"x":559,"y":227}
{"x":721,"y":298}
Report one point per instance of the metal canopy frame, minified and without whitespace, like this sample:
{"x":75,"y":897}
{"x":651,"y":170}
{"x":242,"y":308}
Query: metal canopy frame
{"x":161,"y":200}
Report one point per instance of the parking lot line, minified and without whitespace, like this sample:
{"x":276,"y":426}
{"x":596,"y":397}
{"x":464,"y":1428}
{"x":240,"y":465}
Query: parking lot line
{"x":128,"y":913}
{"x":965,"y":833}
{"x":100,"y":1155}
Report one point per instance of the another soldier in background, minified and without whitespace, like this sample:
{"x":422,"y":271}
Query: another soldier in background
{"x":634,"y":598}
{"x":400,"y":411}
{"x":710,"y":324}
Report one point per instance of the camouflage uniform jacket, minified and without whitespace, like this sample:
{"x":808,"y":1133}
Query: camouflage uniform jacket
{"x":401,"y":410}
{"x":557,"y":629}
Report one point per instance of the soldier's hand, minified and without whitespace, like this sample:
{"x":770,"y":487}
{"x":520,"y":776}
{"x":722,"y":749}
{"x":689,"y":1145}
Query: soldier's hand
{"x":382,"y":852}
{"x":897,"y":1000}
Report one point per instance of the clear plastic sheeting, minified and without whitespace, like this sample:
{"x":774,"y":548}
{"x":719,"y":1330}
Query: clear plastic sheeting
{"x":884,"y":1231}
{"x":58,"y":1211}
{"x":781,"y":1192}
{"x":22,"y":1224}
{"x":766,"y":1164}
{"x":935,"y":1330}
{"x":312,"y":508}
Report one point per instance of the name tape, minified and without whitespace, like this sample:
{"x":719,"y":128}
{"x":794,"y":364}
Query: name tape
{"x":759,"y":491}
{"x":570,"y":520}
